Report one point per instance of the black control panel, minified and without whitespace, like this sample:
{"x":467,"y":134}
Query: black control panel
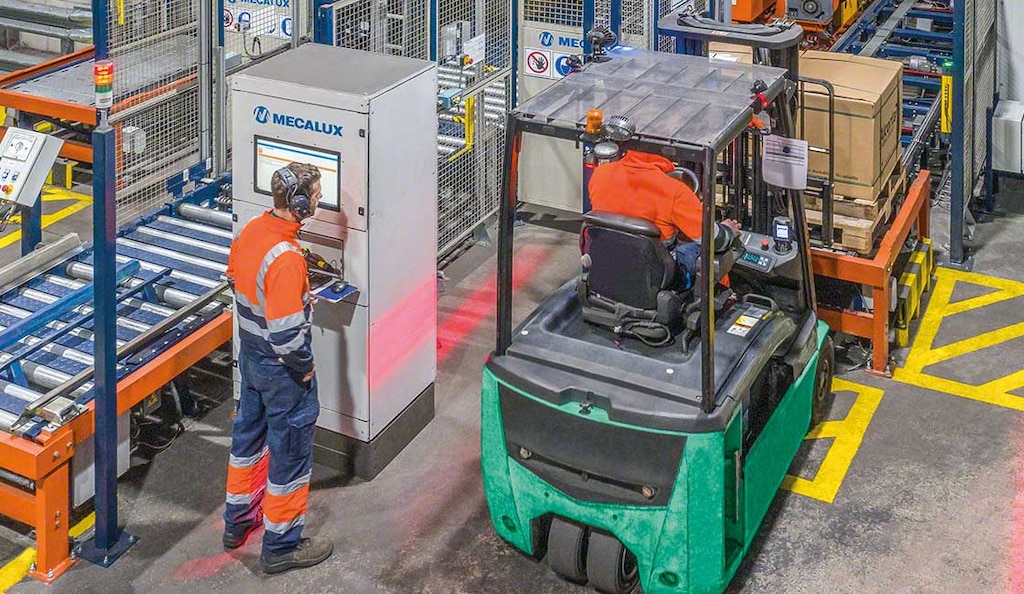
{"x":764,"y":253}
{"x":761,"y":262}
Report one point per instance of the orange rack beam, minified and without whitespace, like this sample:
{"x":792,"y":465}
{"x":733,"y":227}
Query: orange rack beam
{"x":875,"y":273}
{"x":48,"y":461}
{"x":52,"y":108}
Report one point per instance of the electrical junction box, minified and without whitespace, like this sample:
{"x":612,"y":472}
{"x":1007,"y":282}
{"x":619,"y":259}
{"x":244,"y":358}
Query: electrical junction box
{"x":26,"y":158}
{"x":369,"y":123}
{"x":1008,"y":137}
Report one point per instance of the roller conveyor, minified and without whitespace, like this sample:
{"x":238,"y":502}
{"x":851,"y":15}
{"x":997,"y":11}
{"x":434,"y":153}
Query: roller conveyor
{"x":178,"y":259}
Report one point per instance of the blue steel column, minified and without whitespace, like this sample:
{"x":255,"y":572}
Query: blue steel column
{"x":513,"y":42}
{"x":31,"y":226}
{"x":956,"y":201}
{"x":109,"y":541}
{"x":615,"y":19}
{"x":323,"y":22}
{"x":589,"y":13}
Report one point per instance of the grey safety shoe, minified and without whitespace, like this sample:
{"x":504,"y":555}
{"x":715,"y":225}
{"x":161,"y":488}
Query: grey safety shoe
{"x":308,"y":553}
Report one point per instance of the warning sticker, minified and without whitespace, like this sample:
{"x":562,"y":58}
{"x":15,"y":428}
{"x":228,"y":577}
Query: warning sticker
{"x":743,"y":325}
{"x":739,"y":330}
{"x":538,"y":63}
{"x":747,"y":321}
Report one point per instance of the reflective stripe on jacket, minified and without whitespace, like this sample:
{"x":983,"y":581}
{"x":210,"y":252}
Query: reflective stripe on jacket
{"x":272,"y":291}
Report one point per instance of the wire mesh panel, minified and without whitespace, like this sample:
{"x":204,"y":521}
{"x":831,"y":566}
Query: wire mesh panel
{"x":147,"y":41}
{"x":567,"y":13}
{"x":979,"y":85}
{"x":471,"y":149}
{"x":984,"y":76}
{"x":155,"y":143}
{"x":396,"y":27}
{"x":473,"y":52}
{"x":155,"y":50}
{"x":253,"y":28}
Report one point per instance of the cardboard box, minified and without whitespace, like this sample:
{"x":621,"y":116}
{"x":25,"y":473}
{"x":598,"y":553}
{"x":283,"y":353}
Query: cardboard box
{"x":869,"y":95}
{"x":727,"y":52}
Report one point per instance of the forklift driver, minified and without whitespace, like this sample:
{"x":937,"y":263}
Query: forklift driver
{"x":639,"y":185}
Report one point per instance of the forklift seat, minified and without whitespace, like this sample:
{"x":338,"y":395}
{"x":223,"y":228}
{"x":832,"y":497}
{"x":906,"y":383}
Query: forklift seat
{"x":628,"y":274}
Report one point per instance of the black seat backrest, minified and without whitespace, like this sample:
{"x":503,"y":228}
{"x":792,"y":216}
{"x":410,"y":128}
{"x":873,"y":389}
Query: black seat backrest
{"x":628,"y":262}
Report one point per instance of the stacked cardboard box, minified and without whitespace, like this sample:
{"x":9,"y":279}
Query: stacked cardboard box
{"x":868,"y":116}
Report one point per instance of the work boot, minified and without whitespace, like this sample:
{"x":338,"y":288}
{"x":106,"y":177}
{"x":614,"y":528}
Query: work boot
{"x":310,"y":551}
{"x":232,"y":541}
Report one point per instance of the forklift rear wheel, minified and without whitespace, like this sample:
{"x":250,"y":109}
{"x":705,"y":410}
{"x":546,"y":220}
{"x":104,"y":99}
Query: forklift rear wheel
{"x":567,"y":550}
{"x":611,"y":567}
{"x":821,"y":403}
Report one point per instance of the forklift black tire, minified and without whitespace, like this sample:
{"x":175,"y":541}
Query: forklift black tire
{"x":821,"y":402}
{"x":567,"y":550}
{"x":612,"y":569}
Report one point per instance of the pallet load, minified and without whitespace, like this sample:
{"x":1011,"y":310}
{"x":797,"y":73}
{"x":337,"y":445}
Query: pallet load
{"x":868,"y":176}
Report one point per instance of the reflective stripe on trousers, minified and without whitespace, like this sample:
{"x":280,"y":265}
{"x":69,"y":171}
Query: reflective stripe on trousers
{"x":278,"y":412}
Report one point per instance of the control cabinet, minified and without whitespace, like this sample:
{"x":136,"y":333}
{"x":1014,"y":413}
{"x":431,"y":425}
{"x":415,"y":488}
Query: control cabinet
{"x":368,"y":122}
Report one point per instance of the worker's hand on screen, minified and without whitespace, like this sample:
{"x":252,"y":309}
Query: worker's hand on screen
{"x":734,"y":225}
{"x":309,"y":376}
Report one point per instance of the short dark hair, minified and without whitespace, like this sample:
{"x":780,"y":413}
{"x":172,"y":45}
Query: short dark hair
{"x":304,"y":172}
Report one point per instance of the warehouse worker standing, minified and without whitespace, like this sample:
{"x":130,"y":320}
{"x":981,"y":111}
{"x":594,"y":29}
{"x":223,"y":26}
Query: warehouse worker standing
{"x":638,"y":185}
{"x":272,"y":438}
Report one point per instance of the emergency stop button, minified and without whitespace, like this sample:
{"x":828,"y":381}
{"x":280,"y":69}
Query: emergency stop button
{"x":7,"y":189}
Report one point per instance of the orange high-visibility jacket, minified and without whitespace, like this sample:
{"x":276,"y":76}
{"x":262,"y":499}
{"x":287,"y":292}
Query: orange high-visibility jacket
{"x":272,"y":301}
{"x":638,"y":186}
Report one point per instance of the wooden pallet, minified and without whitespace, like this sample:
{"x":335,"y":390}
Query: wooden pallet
{"x":855,"y":222}
{"x":860,"y":208}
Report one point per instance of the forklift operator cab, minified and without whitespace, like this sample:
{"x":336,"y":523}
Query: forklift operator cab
{"x":633,"y":281}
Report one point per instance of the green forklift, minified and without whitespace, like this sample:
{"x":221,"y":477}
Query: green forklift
{"x":634,"y":435}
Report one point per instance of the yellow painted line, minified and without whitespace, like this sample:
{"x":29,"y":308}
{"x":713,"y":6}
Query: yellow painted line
{"x":53,"y":195}
{"x":995,"y":392}
{"x":17,"y":568}
{"x":848,"y":435}
{"x":974,"y":343}
{"x":929,"y":327}
{"x":980,"y":301}
{"x":83,"y":526}
{"x":1006,"y":383}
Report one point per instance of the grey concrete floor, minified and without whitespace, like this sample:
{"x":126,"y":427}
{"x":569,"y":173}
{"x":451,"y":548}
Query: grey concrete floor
{"x":927,"y":504}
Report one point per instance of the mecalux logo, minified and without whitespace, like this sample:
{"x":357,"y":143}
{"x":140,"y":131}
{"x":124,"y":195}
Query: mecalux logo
{"x":262,"y":115}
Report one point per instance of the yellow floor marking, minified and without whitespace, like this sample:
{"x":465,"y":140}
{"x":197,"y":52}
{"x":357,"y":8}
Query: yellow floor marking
{"x":848,"y":434}
{"x":17,"y":569}
{"x":52,"y":194}
{"x":922,"y":354}
{"x":81,"y":527}
{"x":974,"y":343}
